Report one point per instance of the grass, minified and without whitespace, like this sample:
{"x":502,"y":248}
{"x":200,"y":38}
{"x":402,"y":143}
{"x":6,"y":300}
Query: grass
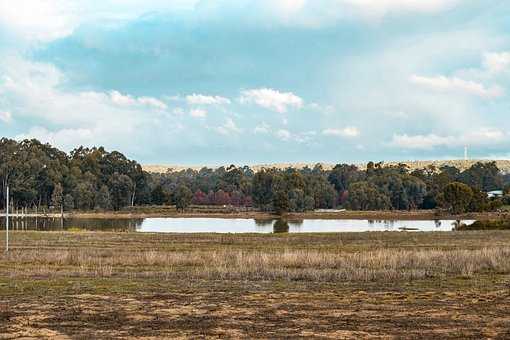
{"x":346,"y":285}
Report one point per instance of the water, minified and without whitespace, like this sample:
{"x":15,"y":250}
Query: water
{"x":224,"y":225}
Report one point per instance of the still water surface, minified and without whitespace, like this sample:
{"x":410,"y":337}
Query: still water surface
{"x":225,"y":225}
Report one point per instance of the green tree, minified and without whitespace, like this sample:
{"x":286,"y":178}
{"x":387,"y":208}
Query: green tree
{"x":121,"y":188}
{"x":309,"y":203}
{"x":68,"y":202}
{"x":366,"y":196}
{"x":262,"y":189}
{"x":103,"y":200}
{"x":457,"y":197}
{"x":57,"y":197}
{"x":158,"y":195}
{"x":343,"y":175}
{"x":281,"y":202}
{"x":182,"y":197}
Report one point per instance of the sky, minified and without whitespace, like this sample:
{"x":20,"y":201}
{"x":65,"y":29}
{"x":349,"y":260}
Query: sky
{"x":203,"y":82}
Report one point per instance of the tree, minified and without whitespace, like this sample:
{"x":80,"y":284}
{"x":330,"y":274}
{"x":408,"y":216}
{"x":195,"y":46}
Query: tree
{"x":57,"y":197}
{"x":68,"y":202}
{"x":103,"y":200}
{"x":343,"y":175}
{"x":457,"y":197}
{"x":296,"y":200}
{"x":366,"y":196}
{"x":262,"y":189}
{"x":182,"y":197}
{"x":84,"y":195}
{"x":309,"y":203}
{"x":158,"y":195}
{"x":482,"y":176}
{"x":479,"y":202}
{"x":281,"y":202}
{"x":199,"y":198}
{"x":121,"y":187}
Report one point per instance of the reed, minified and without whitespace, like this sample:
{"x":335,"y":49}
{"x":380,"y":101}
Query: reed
{"x":383,"y":265}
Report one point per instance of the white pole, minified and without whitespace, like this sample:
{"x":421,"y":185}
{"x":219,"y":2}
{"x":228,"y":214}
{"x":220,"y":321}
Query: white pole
{"x":7,"y":222}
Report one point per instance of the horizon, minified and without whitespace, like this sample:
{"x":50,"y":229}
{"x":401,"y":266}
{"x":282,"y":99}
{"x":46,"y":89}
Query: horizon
{"x":170,"y":82}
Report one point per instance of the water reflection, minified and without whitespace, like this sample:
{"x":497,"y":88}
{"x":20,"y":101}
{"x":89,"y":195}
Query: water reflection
{"x":264,"y":222}
{"x":55,"y":224}
{"x":222,"y":225}
{"x":280,"y":226}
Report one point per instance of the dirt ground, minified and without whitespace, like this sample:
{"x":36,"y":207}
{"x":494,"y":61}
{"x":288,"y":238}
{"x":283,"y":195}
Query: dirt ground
{"x":109,"y":309}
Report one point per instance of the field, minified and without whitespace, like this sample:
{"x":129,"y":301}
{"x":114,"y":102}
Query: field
{"x":503,"y":165}
{"x":347,"y":285}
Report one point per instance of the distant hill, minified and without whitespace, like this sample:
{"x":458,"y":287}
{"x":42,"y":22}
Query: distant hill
{"x":504,"y":165}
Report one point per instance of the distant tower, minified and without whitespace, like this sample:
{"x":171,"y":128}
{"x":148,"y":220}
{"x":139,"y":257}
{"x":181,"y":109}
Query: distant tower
{"x":466,"y":153}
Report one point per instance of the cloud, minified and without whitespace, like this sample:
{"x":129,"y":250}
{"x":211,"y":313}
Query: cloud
{"x":5,"y":116}
{"x":66,"y":138}
{"x":198,"y":113}
{"x":127,"y":100}
{"x":284,"y":135}
{"x":47,"y":20}
{"x":34,"y":92}
{"x":380,"y":8}
{"x":348,"y":132}
{"x":199,"y":99}
{"x":481,"y":137}
{"x":42,"y":20}
{"x":318,"y":13}
{"x":453,"y":84}
{"x":271,"y":99}
{"x":262,"y":128}
{"x":228,"y":128}
{"x":496,"y":62}
{"x":301,"y":137}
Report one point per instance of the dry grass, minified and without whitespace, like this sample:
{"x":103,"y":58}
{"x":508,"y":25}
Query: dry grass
{"x":306,"y":265}
{"x":355,"y":285}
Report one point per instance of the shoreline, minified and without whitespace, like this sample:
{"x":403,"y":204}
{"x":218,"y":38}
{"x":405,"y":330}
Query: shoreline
{"x":343,"y":215}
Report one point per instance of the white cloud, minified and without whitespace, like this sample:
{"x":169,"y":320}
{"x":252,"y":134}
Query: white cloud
{"x":480,"y":137}
{"x":198,"y":113}
{"x":380,"y":8}
{"x":348,"y":132}
{"x":271,"y":99}
{"x":262,"y":128}
{"x":317,"y":13}
{"x":33,"y":92}
{"x":41,"y":20}
{"x":496,"y":62}
{"x":228,"y":128}
{"x":47,"y":20}
{"x":178,"y":111}
{"x":298,"y":137}
{"x":65,"y":138}
{"x":199,"y":99}
{"x":453,"y":84}
{"x":150,"y":101}
{"x":127,"y":100}
{"x":284,"y":135}
{"x":5,"y":116}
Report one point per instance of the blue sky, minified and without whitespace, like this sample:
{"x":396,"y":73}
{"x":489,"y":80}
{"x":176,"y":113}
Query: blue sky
{"x":216,"y":82}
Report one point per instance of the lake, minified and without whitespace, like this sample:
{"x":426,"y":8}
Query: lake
{"x":224,"y":225}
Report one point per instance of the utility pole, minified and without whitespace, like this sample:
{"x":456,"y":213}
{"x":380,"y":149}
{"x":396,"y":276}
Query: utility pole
{"x":7,"y":222}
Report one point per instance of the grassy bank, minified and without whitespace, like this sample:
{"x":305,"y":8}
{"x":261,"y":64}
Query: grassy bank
{"x":382,"y":284}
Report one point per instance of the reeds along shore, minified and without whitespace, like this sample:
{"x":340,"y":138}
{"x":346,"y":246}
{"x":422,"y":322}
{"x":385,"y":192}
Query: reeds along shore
{"x":304,"y":265}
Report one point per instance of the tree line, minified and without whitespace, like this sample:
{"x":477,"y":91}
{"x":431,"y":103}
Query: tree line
{"x":42,"y":176}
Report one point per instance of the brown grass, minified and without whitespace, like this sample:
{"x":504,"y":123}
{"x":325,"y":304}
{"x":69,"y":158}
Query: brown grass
{"x":308,"y":265}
